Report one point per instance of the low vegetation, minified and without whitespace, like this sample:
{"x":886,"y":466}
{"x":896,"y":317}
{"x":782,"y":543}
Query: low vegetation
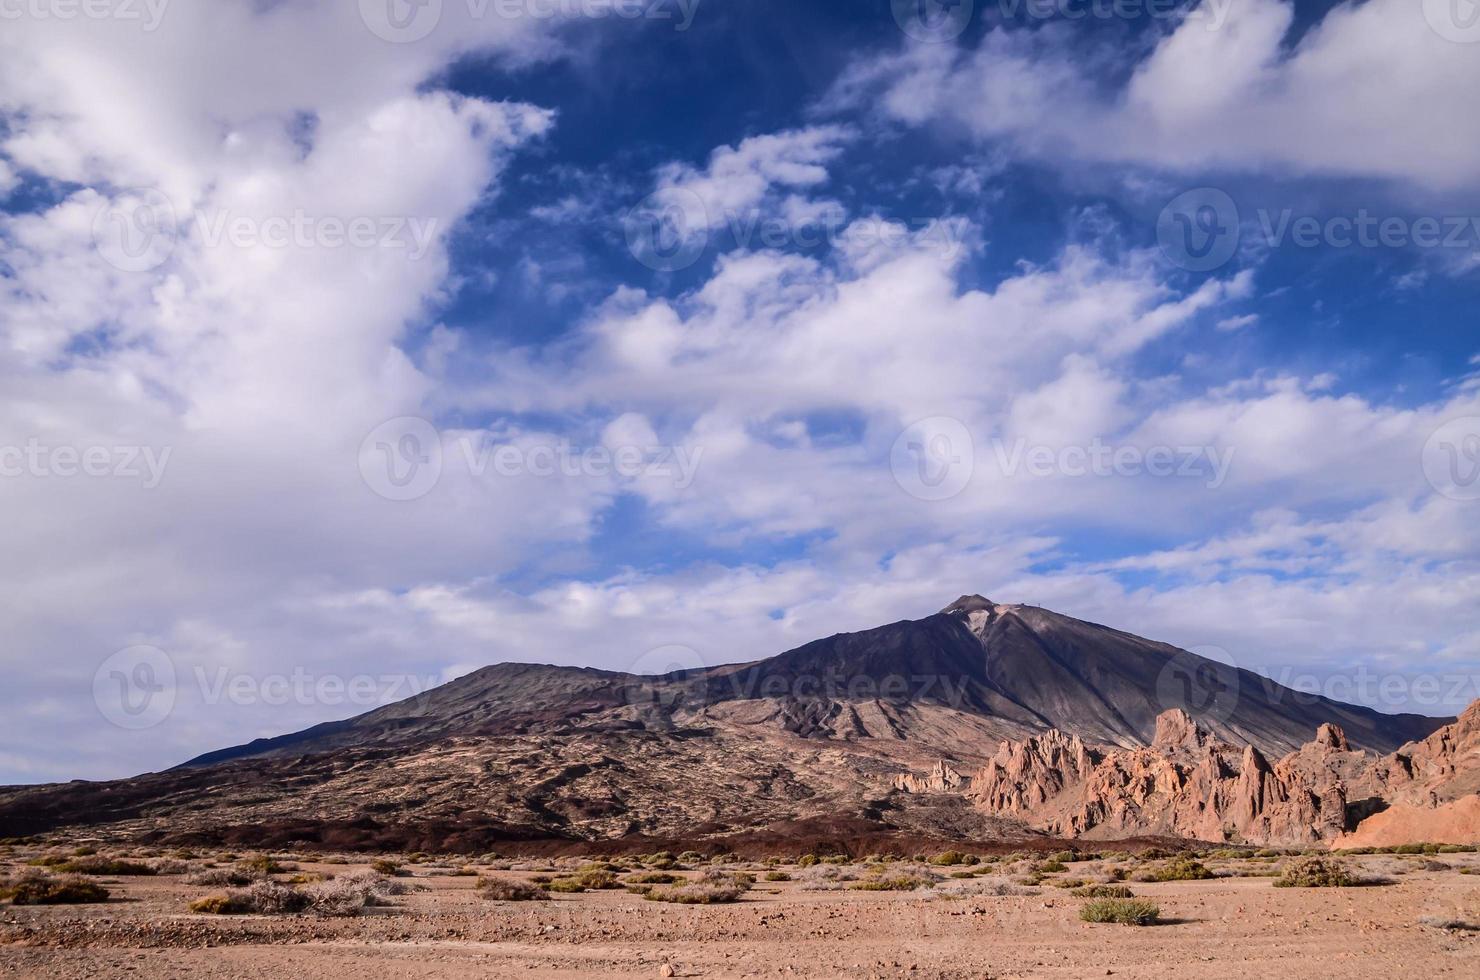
{"x":1102,"y":891}
{"x":1123,"y":911}
{"x":506,"y":890}
{"x":36,"y":888}
{"x":1181,"y":868}
{"x":1316,"y":872}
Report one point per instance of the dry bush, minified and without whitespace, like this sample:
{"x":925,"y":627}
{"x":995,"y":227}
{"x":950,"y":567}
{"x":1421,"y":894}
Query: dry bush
{"x":1124,"y":911}
{"x":1316,"y":872}
{"x":262,"y":898}
{"x":697,"y":893}
{"x":105,"y":866}
{"x":504,"y":890}
{"x":35,"y":888}
{"x":1181,"y":868}
{"x":225,"y":877}
{"x":348,"y":896}
{"x":890,"y":883}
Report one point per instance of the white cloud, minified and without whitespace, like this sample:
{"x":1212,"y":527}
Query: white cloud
{"x":1370,"y":91}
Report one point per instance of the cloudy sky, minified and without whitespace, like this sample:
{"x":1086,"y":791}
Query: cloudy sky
{"x":348,"y":346}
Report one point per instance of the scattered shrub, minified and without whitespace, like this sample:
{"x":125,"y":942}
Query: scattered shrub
{"x":697,"y":893}
{"x":1051,"y":867}
{"x":386,"y":867}
{"x":504,"y":890}
{"x":1315,"y":872}
{"x":264,"y":864}
{"x":776,"y":876}
{"x":1182,"y":868}
{"x":806,"y":860}
{"x":1102,"y":891}
{"x":105,"y":866}
{"x":224,"y":877}
{"x":1124,"y":911}
{"x":212,"y":905}
{"x":948,"y":858}
{"x":893,"y":883}
{"x":35,"y":888}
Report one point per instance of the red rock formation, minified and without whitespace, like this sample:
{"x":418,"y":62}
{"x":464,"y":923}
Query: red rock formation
{"x":1189,"y":784}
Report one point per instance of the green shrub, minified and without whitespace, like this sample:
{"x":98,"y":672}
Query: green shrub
{"x":566,"y":885}
{"x":948,"y":858}
{"x":893,"y":883}
{"x":1102,"y":891}
{"x":658,"y":878}
{"x":1051,"y":867}
{"x":1183,"y":868}
{"x":1124,"y":911}
{"x":1315,"y":872}
{"x":383,"y":866}
{"x":806,"y":860}
{"x":776,"y":876}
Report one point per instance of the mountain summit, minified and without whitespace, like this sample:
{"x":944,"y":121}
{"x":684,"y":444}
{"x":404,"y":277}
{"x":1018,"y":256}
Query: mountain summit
{"x":526,"y":751}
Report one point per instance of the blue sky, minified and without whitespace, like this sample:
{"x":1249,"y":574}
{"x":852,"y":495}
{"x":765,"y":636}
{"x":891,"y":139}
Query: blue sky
{"x":856,"y":302}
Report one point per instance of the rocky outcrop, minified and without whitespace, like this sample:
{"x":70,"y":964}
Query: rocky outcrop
{"x":1189,"y":784}
{"x":941,"y":779}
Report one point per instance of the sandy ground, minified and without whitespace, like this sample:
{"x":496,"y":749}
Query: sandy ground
{"x":1229,"y":927}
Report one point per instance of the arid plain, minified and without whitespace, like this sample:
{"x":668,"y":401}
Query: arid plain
{"x":1012,"y":914}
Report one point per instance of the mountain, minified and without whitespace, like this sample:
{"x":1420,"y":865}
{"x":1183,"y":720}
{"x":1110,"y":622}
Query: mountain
{"x":820,"y":736}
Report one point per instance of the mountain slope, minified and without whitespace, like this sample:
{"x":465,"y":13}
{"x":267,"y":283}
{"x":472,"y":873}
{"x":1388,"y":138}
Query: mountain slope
{"x":821,"y":732}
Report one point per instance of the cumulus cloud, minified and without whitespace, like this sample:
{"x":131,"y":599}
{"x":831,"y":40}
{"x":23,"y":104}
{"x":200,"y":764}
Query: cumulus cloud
{"x":1241,"y":92}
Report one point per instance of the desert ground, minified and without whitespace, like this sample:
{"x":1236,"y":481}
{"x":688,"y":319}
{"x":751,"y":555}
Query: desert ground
{"x":1008,"y":915}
